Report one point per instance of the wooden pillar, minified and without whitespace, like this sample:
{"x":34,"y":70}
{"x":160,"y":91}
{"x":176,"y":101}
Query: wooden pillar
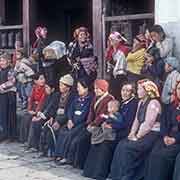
{"x":98,"y":35}
{"x":26,"y":25}
{"x":2,"y":11}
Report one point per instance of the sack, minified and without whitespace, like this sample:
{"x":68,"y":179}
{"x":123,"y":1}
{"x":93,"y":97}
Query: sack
{"x":55,"y":50}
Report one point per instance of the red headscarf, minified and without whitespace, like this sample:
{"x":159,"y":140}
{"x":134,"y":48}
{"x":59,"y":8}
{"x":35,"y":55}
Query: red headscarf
{"x":176,"y":100}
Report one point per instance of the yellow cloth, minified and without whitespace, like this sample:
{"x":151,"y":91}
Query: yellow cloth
{"x":135,"y":61}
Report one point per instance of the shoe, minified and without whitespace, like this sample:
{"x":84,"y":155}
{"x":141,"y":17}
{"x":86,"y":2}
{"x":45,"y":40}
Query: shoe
{"x":62,"y":162}
{"x":30,"y":150}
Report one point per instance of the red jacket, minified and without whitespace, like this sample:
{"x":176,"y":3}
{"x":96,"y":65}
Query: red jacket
{"x":37,"y":98}
{"x":94,"y":116}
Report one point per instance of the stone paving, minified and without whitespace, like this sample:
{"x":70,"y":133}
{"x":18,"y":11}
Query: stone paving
{"x":16,"y":164}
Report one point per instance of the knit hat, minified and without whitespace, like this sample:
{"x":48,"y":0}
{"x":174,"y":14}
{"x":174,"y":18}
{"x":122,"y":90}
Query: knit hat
{"x":67,"y":80}
{"x":150,"y":87}
{"x":173,"y":61}
{"x":102,"y":84}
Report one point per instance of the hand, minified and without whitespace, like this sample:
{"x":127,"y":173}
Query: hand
{"x":50,"y":121}
{"x":132,"y":137}
{"x":107,"y":126}
{"x":36,"y":119}
{"x":56,"y":126}
{"x":1,"y":88}
{"x":32,"y":112}
{"x":70,"y":124}
{"x":169,"y":140}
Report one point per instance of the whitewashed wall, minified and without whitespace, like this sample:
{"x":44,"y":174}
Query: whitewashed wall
{"x":167,"y":14}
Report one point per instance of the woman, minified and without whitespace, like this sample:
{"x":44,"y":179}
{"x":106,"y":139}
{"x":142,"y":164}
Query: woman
{"x":131,"y":153}
{"x":176,"y":175}
{"x":116,"y":61}
{"x":7,"y":99}
{"x":77,"y":115}
{"x":80,"y":55}
{"x":162,"y":159}
{"x":80,"y":146}
{"x":102,"y":153}
{"x":135,"y":58}
{"x":162,"y":42}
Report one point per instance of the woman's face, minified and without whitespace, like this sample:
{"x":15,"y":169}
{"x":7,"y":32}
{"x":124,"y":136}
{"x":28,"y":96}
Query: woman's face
{"x":149,"y":58}
{"x":178,"y":91}
{"x":48,"y":89}
{"x":141,"y":92}
{"x":155,"y":36}
{"x":113,"y":42}
{"x":81,"y":90}
{"x":98,"y":91}
{"x":63,"y":88}
{"x":41,"y":81}
{"x":136,"y":44}
{"x":44,"y":33}
{"x":168,"y":68}
{"x":82,"y":37}
{"x":126,"y":92}
{"x":3,"y":63}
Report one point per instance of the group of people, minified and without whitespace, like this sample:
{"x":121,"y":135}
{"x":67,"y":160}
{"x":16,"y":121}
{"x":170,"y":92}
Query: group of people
{"x":124,"y":128}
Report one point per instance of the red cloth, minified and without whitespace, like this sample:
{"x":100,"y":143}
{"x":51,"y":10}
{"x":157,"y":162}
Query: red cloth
{"x":122,"y":47}
{"x":14,"y":58}
{"x":37,"y":98}
{"x":95,"y":115}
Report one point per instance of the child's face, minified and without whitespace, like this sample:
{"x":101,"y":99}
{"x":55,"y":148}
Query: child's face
{"x":41,"y":81}
{"x":3,"y":63}
{"x":112,"y":108}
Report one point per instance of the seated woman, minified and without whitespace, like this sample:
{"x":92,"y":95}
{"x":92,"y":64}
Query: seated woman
{"x":135,"y":58}
{"x":176,"y":175}
{"x":35,"y":103}
{"x":54,"y":125}
{"x":102,"y":152}
{"x":46,"y":113}
{"x":7,"y":99}
{"x":162,"y":159}
{"x":77,"y":115}
{"x":131,"y":153}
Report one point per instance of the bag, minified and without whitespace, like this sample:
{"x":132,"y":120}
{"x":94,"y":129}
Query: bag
{"x":55,"y":50}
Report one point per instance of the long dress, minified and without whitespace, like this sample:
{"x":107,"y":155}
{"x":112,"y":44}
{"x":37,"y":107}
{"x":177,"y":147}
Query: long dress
{"x":162,"y":159}
{"x":130,"y":156}
{"x":77,"y":112}
{"x":7,"y":104}
{"x":102,"y":153}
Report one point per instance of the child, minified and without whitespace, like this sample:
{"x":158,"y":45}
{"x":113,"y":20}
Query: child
{"x":24,"y":75}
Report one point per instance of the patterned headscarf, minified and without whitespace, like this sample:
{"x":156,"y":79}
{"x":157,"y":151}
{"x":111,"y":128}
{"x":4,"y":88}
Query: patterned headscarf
{"x":150,"y":87}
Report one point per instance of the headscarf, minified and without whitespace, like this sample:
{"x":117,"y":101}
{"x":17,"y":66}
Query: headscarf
{"x":150,"y":87}
{"x":102,"y":84}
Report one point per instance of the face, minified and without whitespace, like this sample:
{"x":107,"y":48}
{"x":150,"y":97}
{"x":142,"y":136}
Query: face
{"x":18,"y":55}
{"x":17,"y":44}
{"x":178,"y":91}
{"x":168,"y":68}
{"x":48,"y":89}
{"x":44,"y":33}
{"x":41,"y":81}
{"x":82,"y":37}
{"x":63,"y":88}
{"x":112,"y":108}
{"x":113,"y":42}
{"x":136,"y":44}
{"x":98,"y":91}
{"x":126,"y":92}
{"x":81,"y":90}
{"x":3,"y":63}
{"x":149,"y":58}
{"x":141,"y":92}
{"x":155,"y":36}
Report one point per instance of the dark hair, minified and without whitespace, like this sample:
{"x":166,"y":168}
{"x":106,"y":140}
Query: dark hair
{"x":154,"y":51}
{"x":84,"y":82}
{"x":158,"y":29}
{"x":37,"y":75}
{"x":133,"y":84}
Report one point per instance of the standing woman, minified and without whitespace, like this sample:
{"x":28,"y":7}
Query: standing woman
{"x":131,"y":153}
{"x":116,"y":61}
{"x":162,"y":159}
{"x":80,"y":55}
{"x":162,"y":41}
{"x":7,"y":99}
{"x":102,"y":153}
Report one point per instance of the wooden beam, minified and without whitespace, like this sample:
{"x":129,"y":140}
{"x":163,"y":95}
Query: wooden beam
{"x":11,"y":27}
{"x":130,"y":17}
{"x":2,"y":10}
{"x":26,"y":25}
{"x":97,"y":34}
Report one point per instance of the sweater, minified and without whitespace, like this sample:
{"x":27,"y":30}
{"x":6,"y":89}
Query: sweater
{"x":135,"y":61}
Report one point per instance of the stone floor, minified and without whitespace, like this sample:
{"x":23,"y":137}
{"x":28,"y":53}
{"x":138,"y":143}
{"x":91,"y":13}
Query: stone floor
{"x":15,"y":164}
